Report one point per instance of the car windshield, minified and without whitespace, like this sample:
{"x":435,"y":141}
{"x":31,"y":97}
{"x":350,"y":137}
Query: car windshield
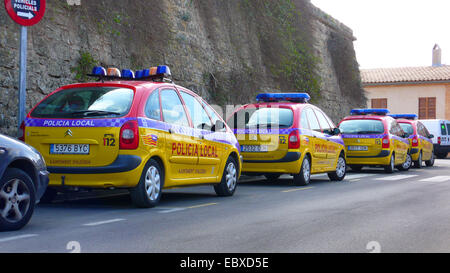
{"x":407,"y":128}
{"x":91,"y":102}
{"x":359,"y":127}
{"x":262,"y":118}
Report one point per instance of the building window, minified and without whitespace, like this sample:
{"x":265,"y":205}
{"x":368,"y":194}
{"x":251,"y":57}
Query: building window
{"x":379,"y":103}
{"x":427,"y":108}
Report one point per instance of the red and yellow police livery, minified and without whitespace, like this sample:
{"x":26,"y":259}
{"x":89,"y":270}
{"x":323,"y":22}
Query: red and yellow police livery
{"x":133,"y":130}
{"x":374,"y":139}
{"x":283,"y":134}
{"x":420,"y":140}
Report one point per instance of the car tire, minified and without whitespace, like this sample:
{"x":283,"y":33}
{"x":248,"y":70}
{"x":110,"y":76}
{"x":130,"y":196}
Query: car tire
{"x":430,"y":163}
{"x":418,"y":163}
{"x":147,"y":193}
{"x":407,"y":164}
{"x":17,"y":199}
{"x":304,"y":177}
{"x":227,"y":185}
{"x":272,"y":177}
{"x":390,"y":168}
{"x":341,"y":168}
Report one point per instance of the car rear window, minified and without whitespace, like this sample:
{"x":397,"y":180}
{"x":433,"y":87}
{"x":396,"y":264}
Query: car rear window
{"x":361,"y":127}
{"x":262,"y":118}
{"x":91,"y":102}
{"x":408,"y":128}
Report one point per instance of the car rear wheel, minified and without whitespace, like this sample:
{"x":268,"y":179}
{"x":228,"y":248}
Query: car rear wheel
{"x":430,"y":162}
{"x":418,"y":163}
{"x":17,"y":199}
{"x":304,"y":177}
{"x":227,"y":185}
{"x":407,"y":164}
{"x":390,"y":168}
{"x":148,"y":192}
{"x":341,"y":168}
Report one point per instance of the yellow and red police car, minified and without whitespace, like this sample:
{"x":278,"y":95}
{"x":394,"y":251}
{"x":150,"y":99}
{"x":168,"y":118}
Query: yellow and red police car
{"x":133,"y":130}
{"x":284,"y":134}
{"x":374,"y":139}
{"x":420,"y":140}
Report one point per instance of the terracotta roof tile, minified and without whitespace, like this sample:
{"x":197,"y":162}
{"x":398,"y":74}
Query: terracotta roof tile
{"x":405,"y":74}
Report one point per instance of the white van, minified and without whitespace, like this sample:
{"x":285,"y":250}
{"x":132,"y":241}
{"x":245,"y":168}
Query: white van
{"x":440,"y":129}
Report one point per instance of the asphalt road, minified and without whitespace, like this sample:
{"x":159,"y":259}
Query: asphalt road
{"x":368,"y":211}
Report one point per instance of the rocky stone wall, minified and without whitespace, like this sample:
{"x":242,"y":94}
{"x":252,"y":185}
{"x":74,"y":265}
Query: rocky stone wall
{"x":225,"y":50}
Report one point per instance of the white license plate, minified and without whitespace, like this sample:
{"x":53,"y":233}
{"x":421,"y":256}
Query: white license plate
{"x":69,"y":149}
{"x":254,"y":148}
{"x":358,"y":148}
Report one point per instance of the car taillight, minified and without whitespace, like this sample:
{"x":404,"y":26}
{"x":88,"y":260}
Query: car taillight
{"x":415,"y":141}
{"x":129,"y":136}
{"x":22,"y":132}
{"x":385,"y":143}
{"x":439,"y":140}
{"x":294,"y":140}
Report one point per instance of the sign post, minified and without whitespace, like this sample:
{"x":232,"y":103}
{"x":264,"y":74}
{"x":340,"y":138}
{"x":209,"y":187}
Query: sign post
{"x":25,"y":13}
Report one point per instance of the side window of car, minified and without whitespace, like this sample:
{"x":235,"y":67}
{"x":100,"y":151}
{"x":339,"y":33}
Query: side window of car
{"x":326,"y":127}
{"x":304,"y":120}
{"x":172,"y":108}
{"x":199,"y":117}
{"x":152,"y":108}
{"x":313,"y":123}
{"x":393,"y":129}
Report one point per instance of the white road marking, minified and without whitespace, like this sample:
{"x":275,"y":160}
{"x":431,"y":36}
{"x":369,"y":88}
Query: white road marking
{"x":17,"y":237}
{"x":359,"y":175}
{"x":104,"y":222}
{"x":171,"y":210}
{"x":396,"y":177}
{"x":440,"y":178}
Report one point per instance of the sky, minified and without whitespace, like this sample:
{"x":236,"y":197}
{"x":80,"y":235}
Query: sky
{"x":394,"y":33}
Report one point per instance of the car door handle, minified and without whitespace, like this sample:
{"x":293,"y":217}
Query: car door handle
{"x":171,"y":131}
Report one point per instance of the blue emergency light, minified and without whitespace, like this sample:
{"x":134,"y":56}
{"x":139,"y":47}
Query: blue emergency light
{"x":127,"y":73}
{"x":277,"y":97}
{"x":99,"y":71}
{"x":404,"y":116}
{"x":374,"y":111}
{"x":139,"y":74}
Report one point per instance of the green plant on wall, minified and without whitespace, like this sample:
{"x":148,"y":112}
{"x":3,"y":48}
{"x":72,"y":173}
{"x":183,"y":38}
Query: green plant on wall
{"x":284,"y":28}
{"x":85,"y":64}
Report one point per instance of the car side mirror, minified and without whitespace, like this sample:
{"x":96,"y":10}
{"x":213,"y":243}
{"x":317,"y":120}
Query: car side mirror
{"x":336,"y":131}
{"x":431,"y":136}
{"x":219,"y":126}
{"x":405,"y":135}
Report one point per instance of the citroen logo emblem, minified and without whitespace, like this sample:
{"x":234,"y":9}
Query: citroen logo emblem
{"x":68,"y":133}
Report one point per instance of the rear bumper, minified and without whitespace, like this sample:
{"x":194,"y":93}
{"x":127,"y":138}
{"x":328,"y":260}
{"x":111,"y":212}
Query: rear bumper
{"x":125,"y":172}
{"x":290,"y":163}
{"x":123,"y":163}
{"x":383,"y":158}
{"x":441,"y":149}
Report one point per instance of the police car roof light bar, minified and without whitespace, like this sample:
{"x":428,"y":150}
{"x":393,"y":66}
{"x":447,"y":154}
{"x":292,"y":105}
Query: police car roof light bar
{"x":277,"y":97}
{"x":405,"y":116}
{"x":157,"y":74}
{"x":374,"y":111}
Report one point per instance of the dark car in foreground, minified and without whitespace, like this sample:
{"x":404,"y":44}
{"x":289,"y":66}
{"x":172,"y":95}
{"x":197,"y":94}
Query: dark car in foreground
{"x":23,"y":181}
